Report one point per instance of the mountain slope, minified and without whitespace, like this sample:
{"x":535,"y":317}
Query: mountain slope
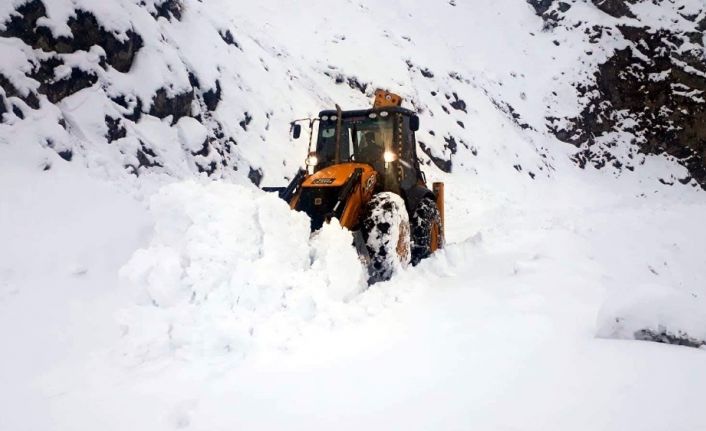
{"x":648,"y":89}
{"x":184,"y":87}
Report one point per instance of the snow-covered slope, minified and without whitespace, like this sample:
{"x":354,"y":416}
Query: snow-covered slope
{"x":227,"y":315}
{"x":184,"y":87}
{"x":136,"y":293}
{"x":646,"y":77}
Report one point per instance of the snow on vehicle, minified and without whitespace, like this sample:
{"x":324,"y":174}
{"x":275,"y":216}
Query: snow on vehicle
{"x":364,"y":171}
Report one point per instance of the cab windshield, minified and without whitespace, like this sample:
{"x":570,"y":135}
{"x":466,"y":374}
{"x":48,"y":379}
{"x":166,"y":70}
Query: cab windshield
{"x":363,"y":140}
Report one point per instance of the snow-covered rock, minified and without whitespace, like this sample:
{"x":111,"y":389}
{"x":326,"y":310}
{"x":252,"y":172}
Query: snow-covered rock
{"x":647,"y":89}
{"x":655,"y":313}
{"x":113,"y":79}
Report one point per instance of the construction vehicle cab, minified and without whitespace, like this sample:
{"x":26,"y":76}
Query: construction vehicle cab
{"x":381,"y":138}
{"x":362,"y":169}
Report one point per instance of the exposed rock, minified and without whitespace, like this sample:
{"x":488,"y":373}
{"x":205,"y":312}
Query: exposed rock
{"x":541,"y":6}
{"x":63,"y":152}
{"x":204,"y":151}
{"x":614,"y":8}
{"x":212,"y":97}
{"x":18,"y":112}
{"x":169,"y":9}
{"x":651,"y":94}
{"x":208,"y":169}
{"x":255,"y":175}
{"x":66,"y":154}
{"x":458,"y":104}
{"x":511,"y":112}
{"x":351,"y":81}
{"x":424,"y":71}
{"x":563,"y":7}
{"x":458,"y":77}
{"x":146,"y":158}
{"x":43,"y":72}
{"x":23,"y":23}
{"x":134,"y":106}
{"x":10,"y":91}
{"x":662,"y":335}
{"x":85,"y":30}
{"x":441,"y":163}
{"x":57,"y":90}
{"x":194,"y":81}
{"x":228,"y":38}
{"x":177,"y":106}
{"x":451,"y":144}
{"x":245,"y":121}
{"x":116,"y":130}
{"x":550,"y":11}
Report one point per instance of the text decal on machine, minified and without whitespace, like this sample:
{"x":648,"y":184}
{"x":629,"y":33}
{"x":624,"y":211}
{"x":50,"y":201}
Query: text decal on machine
{"x":323,"y":181}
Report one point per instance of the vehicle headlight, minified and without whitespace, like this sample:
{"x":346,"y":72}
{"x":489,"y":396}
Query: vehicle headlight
{"x":312,"y":160}
{"x":389,"y":156}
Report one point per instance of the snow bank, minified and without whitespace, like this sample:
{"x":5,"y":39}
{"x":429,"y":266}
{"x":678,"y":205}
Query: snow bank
{"x":654,"y":313}
{"x":229,"y":267}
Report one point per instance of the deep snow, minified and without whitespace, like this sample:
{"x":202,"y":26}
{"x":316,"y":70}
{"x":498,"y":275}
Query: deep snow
{"x":172,"y":302}
{"x":498,"y":331}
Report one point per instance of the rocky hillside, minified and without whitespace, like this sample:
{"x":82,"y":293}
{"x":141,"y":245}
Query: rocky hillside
{"x":180,"y":87}
{"x":650,"y":89}
{"x":130,"y":87}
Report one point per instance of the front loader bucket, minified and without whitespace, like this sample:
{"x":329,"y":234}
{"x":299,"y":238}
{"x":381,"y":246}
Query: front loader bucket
{"x":278,"y":190}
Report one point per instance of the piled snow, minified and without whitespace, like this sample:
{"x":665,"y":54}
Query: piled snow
{"x":231,"y":320}
{"x":232,"y":317}
{"x":228,"y":266}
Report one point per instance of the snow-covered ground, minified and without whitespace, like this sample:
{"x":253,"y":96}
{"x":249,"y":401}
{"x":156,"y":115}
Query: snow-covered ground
{"x":170,"y":301}
{"x":227,"y":316}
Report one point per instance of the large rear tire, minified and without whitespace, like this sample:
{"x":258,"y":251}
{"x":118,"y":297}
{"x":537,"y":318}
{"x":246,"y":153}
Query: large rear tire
{"x":387,"y":236}
{"x":427,"y":231}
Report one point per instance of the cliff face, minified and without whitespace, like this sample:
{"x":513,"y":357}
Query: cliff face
{"x":82,"y":78}
{"x":651,"y":89}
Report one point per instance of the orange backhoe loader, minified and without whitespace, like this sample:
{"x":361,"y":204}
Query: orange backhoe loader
{"x":364,"y":171}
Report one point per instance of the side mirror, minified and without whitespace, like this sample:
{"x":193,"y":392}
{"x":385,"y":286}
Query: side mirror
{"x":296,"y":131}
{"x":414,"y":123}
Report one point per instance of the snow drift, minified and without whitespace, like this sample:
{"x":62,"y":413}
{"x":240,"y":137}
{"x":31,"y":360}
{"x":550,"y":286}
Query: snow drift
{"x":229,"y":266}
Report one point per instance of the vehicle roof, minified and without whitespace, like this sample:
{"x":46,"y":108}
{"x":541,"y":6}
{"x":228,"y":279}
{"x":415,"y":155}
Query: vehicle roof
{"x":366,"y":112}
